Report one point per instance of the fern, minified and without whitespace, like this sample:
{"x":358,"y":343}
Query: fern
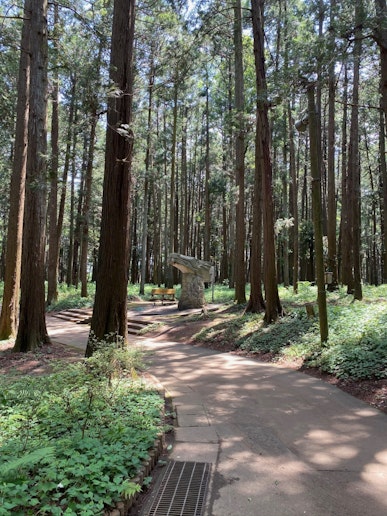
{"x":27,"y":461}
{"x":129,"y":489}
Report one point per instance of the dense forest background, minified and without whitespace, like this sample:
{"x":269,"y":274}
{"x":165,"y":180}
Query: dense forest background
{"x":200,"y":104}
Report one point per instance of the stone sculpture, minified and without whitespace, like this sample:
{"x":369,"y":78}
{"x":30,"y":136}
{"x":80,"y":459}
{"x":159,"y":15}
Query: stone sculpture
{"x":194,"y":274}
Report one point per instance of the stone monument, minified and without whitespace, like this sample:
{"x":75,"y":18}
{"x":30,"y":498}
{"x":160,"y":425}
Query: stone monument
{"x":194,"y":273}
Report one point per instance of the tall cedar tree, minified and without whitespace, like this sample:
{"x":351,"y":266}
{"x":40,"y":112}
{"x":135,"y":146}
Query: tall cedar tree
{"x":32,"y":332}
{"x":380,"y":35}
{"x":10,"y":304}
{"x":354,"y":157}
{"x":263,"y":161}
{"x":256,"y":302}
{"x":315,"y":168}
{"x":240,"y":228}
{"x":110,"y":306}
{"x":332,"y":209}
{"x":53,"y":237}
{"x":148,"y":160}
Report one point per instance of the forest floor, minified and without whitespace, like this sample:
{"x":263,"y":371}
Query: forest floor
{"x":373,"y":392}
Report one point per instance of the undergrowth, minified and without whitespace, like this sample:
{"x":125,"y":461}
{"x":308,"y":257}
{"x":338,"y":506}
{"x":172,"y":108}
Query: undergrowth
{"x":70,"y":297}
{"x":72,"y":441}
{"x":357,"y":345}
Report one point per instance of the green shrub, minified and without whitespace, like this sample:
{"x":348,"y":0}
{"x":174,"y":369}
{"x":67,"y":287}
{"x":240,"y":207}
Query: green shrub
{"x":70,"y":442}
{"x":357,"y":345}
{"x":273,"y":338}
{"x":70,"y":297}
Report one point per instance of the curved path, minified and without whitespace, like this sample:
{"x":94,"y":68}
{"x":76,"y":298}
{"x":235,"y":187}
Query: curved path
{"x":281,"y":443}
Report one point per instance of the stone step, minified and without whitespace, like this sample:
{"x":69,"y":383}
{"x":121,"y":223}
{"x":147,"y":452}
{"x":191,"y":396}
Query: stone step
{"x":70,"y":316}
{"x":80,"y":316}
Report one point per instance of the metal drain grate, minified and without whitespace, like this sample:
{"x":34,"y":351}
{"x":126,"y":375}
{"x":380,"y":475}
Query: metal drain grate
{"x":182,"y":490}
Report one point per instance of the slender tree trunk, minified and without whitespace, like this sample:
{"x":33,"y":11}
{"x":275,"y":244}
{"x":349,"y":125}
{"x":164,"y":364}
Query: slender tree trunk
{"x":345,"y":229}
{"x":148,"y":158}
{"x":354,"y":158}
{"x":256,"y":302}
{"x":32,"y":332}
{"x":273,"y":306}
{"x":285,"y":244}
{"x":380,"y":35}
{"x":78,"y":218}
{"x":383,"y":208}
{"x":372,"y":247}
{"x":294,"y":199}
{"x":240,"y":229}
{"x":315,"y":166}
{"x":110,"y":307}
{"x":133,"y":253}
{"x":53,"y":239}
{"x":10,"y":303}
{"x":207,"y":218}
{"x":70,"y":255}
{"x":84,"y":229}
{"x":157,"y":203}
{"x":71,"y":144}
{"x":381,"y":39}
{"x":184,"y":187}
{"x":172,"y":193}
{"x":332,"y":251}
{"x":263,"y":161}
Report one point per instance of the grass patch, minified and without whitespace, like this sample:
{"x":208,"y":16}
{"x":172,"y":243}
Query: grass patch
{"x":72,"y":441}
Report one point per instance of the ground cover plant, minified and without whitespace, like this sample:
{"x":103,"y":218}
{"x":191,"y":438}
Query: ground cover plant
{"x":70,"y":296}
{"x":72,"y":441}
{"x":357,"y":345}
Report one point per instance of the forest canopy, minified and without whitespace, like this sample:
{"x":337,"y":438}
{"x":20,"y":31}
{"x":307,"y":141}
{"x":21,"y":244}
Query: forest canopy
{"x":199,"y":100}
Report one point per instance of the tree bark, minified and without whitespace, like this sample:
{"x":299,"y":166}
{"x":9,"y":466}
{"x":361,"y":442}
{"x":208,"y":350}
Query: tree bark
{"x":381,"y":39}
{"x":332,"y":250}
{"x":207,"y":211}
{"x":53,"y":239}
{"x":172,"y":199}
{"x":71,"y":143}
{"x":109,"y":318}
{"x":240,"y":229}
{"x":256,"y":302}
{"x":84,"y":229}
{"x":294,"y":199}
{"x":148,"y":158}
{"x":346,"y":275}
{"x":185,"y":221}
{"x":70,"y":254}
{"x":273,"y":306}
{"x":32,"y":332}
{"x":315,"y":165}
{"x":383,"y":195}
{"x":10,"y":303}
{"x":354,"y":158}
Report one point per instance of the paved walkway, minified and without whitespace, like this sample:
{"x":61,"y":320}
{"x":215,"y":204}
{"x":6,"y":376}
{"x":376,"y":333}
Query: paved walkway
{"x":281,"y":443}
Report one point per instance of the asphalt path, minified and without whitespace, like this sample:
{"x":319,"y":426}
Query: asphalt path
{"x":281,"y":443}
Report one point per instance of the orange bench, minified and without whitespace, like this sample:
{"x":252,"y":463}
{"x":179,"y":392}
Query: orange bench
{"x":164,"y":294}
